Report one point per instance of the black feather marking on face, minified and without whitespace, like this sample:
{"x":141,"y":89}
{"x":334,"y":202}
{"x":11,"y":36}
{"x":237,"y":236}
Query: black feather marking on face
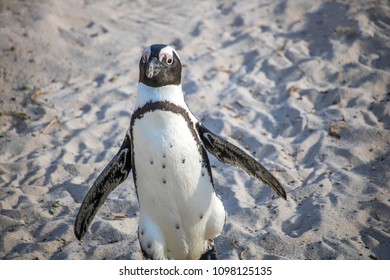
{"x":170,"y":71}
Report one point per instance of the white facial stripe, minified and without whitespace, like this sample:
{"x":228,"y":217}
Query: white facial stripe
{"x":146,"y":54}
{"x":167,"y":52}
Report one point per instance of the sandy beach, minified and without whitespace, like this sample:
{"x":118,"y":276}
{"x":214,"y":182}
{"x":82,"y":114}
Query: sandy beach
{"x":303,"y":86}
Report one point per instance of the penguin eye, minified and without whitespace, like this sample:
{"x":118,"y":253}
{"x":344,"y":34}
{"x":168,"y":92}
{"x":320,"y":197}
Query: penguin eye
{"x":169,"y":60}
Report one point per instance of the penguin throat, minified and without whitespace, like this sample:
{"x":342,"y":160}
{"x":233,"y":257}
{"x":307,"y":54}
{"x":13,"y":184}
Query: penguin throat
{"x":170,"y":93}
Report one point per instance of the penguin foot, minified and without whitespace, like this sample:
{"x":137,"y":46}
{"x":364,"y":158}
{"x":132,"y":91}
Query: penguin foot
{"x":211,"y":254}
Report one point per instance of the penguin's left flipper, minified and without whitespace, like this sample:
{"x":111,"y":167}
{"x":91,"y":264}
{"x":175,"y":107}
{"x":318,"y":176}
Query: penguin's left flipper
{"x":231,"y":154}
{"x":112,"y":176}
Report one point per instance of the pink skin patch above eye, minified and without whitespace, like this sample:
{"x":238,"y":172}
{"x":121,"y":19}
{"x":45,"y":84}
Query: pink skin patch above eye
{"x":167,"y":54}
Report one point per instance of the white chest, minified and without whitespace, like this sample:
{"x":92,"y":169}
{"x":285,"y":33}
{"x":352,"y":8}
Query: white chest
{"x":174,"y":188}
{"x":168,"y":165}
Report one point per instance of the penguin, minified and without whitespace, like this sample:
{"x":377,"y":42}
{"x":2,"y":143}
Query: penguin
{"x":166,"y":148}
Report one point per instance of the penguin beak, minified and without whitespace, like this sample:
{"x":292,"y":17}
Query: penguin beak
{"x":153,"y":67}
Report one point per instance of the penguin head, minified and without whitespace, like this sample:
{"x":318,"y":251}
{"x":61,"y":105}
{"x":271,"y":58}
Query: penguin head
{"x":159,"y":66}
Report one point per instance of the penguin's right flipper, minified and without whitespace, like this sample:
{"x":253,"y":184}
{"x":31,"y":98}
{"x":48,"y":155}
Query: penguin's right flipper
{"x":113,"y":175}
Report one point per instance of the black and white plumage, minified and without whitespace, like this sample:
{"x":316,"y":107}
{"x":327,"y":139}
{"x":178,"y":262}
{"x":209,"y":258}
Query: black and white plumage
{"x":165,"y":147}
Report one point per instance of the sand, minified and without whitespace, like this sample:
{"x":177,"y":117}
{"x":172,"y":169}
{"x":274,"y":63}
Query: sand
{"x":304,"y":86}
